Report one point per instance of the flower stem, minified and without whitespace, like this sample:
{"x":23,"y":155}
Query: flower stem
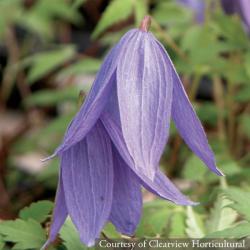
{"x":219,"y":101}
{"x":194,"y":87}
{"x":145,"y":24}
{"x":231,"y":116}
{"x":168,"y":40}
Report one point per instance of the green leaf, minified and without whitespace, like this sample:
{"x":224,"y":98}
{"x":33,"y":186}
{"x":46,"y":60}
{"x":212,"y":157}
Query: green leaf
{"x":247,"y":63}
{"x":202,"y":46}
{"x":49,"y":175}
{"x":245,"y":124}
{"x":1,"y":242}
{"x":110,"y":231}
{"x":194,"y":165}
{"x":241,"y":201}
{"x":243,"y":95}
{"x":57,"y":9}
{"x":231,"y":28}
{"x":154,"y":219}
{"x":141,"y":10}
{"x":235,"y":73}
{"x":78,"y":3}
{"x":239,"y":231}
{"x":45,"y":62}
{"x":70,"y":237}
{"x":177,"y":225}
{"x":25,"y":234}
{"x":86,"y":65}
{"x":44,"y":15}
{"x":116,"y":11}
{"x":10,"y":11}
{"x":39,"y":139}
{"x":208,"y":113}
{"x":221,"y":216}
{"x":38,"y":211}
{"x":52,"y":97}
{"x":194,"y":223}
{"x":170,"y":12}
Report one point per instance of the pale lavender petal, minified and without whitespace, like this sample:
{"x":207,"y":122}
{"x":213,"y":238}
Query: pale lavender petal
{"x":161,"y":185}
{"x":245,"y":12}
{"x":164,"y":188}
{"x":60,"y":214}
{"x":87,"y":172}
{"x":127,"y":197}
{"x":187,"y":122}
{"x":144,"y":87}
{"x":97,"y":97}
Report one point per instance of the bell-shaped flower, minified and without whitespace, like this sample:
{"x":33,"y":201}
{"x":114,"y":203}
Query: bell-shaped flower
{"x":113,"y":145}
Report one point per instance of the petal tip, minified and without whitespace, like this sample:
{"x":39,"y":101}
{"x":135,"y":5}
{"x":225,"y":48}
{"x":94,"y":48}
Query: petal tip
{"x":48,"y":158}
{"x":187,"y":202}
{"x":89,"y":243}
{"x":192,"y":203}
{"x":219,"y":172}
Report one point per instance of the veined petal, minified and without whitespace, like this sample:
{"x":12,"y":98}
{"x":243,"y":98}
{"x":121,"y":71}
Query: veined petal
{"x":59,"y":215}
{"x":164,"y":188}
{"x":97,"y":97}
{"x":127,"y":197}
{"x":144,"y":87}
{"x":161,"y":185}
{"x":187,"y":122}
{"x":87,"y":172}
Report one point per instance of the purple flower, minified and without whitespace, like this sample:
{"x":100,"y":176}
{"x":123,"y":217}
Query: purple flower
{"x":113,"y":145}
{"x":241,"y":7}
{"x":198,"y":6}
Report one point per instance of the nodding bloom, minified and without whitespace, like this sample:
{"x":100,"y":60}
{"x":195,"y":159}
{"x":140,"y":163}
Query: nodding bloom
{"x":198,"y":6}
{"x":241,"y":7}
{"x":113,"y":145}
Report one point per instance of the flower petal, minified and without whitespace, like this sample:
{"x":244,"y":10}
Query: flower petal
{"x":187,"y":122}
{"x":127,"y":197}
{"x":144,"y":87}
{"x":161,"y":185}
{"x":60,"y":214}
{"x":96,"y":99}
{"x":87,"y":172}
{"x":164,"y":188}
{"x":244,"y":12}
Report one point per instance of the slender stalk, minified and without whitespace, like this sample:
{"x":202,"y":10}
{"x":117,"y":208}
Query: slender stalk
{"x":194,"y":87}
{"x":10,"y":71}
{"x":81,"y":98}
{"x":223,"y":182}
{"x":177,"y":140}
{"x":231,"y":116}
{"x":219,"y":101}
{"x":168,"y":40}
{"x":145,"y":24}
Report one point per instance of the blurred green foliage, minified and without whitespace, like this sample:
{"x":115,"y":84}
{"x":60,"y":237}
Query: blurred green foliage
{"x":44,"y":66}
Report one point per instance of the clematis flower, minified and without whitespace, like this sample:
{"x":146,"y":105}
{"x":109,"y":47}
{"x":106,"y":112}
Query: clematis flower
{"x":241,"y":7}
{"x":113,"y":145}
